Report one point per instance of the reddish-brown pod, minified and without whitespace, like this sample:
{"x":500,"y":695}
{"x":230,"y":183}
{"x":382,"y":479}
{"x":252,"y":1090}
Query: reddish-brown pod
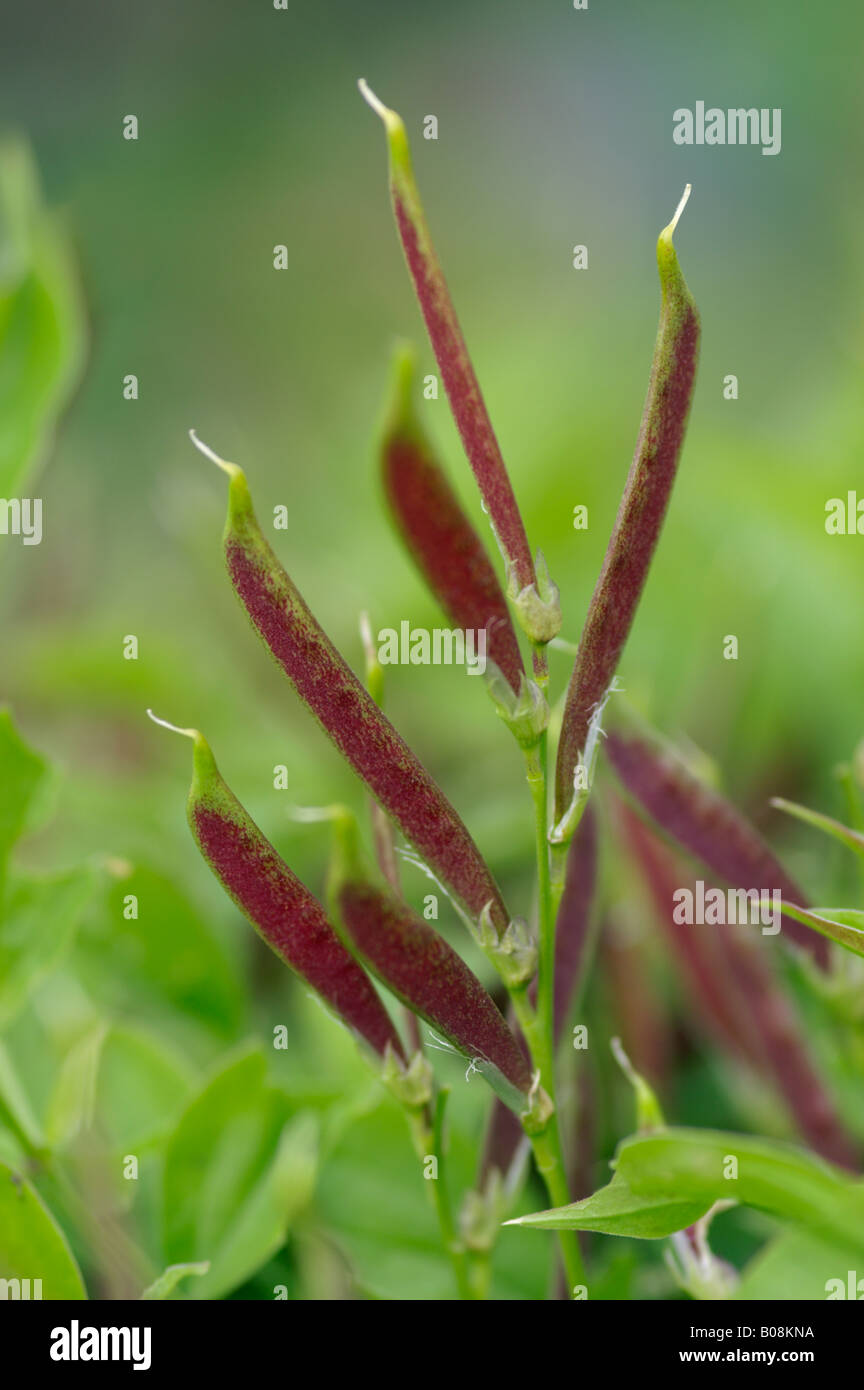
{"x":347,"y":712}
{"x":280,"y":908}
{"x":702,"y":821}
{"x":409,"y":956}
{"x":438,"y":535}
{"x":640,"y":515}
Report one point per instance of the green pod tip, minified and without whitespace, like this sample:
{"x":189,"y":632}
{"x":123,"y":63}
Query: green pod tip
{"x":672,"y":282}
{"x":397,"y":137}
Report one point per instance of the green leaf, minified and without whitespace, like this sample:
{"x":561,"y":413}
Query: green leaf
{"x":166,"y":958}
{"x":615,"y":1210}
{"x":32,"y":1246}
{"x":796,"y":1266}
{"x":850,"y":838}
{"x":142,"y":1087}
{"x":36,"y":930}
{"x":22,"y":772}
{"x":131,"y":1084}
{"x":235,"y":1175}
{"x":777,"y":1178}
{"x":72,"y":1103}
{"x":15,"y":1110}
{"x":164,"y":1286}
{"x":844,"y":925}
{"x":41,"y":320}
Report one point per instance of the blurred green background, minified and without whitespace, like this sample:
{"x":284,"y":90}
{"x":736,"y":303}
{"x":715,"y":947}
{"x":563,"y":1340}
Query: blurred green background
{"x":555,"y":128}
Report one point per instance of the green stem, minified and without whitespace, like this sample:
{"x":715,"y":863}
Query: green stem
{"x":539,"y":1025}
{"x":536,"y":760}
{"x":434,"y":1143}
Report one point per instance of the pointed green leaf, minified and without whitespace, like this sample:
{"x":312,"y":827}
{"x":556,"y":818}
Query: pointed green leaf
{"x":850,"y":838}
{"x":42,"y":330}
{"x":841,"y":924}
{"x":709,"y":1166}
{"x":32,"y":1245}
{"x":615,"y":1210}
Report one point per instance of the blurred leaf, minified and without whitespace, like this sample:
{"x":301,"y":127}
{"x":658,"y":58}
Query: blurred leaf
{"x":786,"y":1182}
{"x":166,"y":958}
{"x":795,"y":1266}
{"x":235,"y":1176}
{"x":21,"y":773}
{"x":32,"y":1246}
{"x":36,"y":930}
{"x":122,"y":1079}
{"x":850,"y":838}
{"x":15,"y":1110}
{"x":73,"y":1100}
{"x":378,"y":1209}
{"x":141,"y":1088}
{"x":616,"y":1211}
{"x":844,"y":925}
{"x":41,"y":320}
{"x":164,"y":1286}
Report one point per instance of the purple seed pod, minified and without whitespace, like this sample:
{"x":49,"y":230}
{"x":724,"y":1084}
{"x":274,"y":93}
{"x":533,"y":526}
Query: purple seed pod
{"x":640,"y":515}
{"x":739,"y":996}
{"x":440,"y":538}
{"x":423,"y":971}
{"x":702,"y":821}
{"x":574,"y":918}
{"x":280,"y":908}
{"x":538,"y":610}
{"x":347,"y":712}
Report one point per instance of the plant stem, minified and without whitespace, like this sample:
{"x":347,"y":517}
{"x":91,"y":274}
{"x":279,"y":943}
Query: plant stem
{"x":539,"y":1025}
{"x":536,"y":760}
{"x":434,"y":1143}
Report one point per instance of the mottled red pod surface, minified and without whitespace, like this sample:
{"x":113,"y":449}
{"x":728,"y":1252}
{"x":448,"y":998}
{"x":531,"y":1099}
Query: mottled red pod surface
{"x":417,"y":964}
{"x":440,"y":539}
{"x":278,"y":905}
{"x":640,"y":514}
{"x":703,"y":821}
{"x":347,"y":712}
{"x":445,"y":335}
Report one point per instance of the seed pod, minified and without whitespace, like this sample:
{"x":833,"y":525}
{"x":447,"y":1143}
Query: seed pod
{"x":347,"y":712}
{"x":640,"y":515}
{"x":702,"y":820}
{"x":739,"y":995}
{"x":572,"y":928}
{"x":440,"y":538}
{"x":460,"y":383}
{"x":277,"y":904}
{"x":422,"y":970}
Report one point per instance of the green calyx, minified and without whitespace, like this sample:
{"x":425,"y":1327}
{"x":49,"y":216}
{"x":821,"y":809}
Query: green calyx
{"x":513,"y":953}
{"x":412,"y":1085}
{"x":526,"y":714}
{"x":538,"y":605}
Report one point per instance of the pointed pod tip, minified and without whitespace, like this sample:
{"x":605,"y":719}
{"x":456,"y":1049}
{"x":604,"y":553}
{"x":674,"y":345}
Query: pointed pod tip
{"x":203,"y":762}
{"x":232,"y":469}
{"x":393,"y":124}
{"x":671,"y":279}
{"x":400,"y":414}
{"x":390,"y":118}
{"x":669,"y":231}
{"x":164,"y":724}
